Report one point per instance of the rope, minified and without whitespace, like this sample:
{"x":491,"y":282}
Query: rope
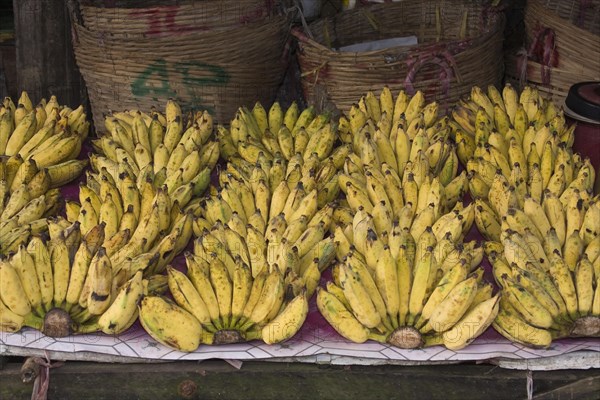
{"x":529,"y":385}
{"x":42,"y":381}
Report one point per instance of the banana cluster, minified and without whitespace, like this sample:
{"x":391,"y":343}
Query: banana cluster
{"x":275,"y":134}
{"x":49,"y":133}
{"x":163,"y":149}
{"x":260,"y":249}
{"x":405,"y":134}
{"x":409,"y":287}
{"x":507,"y":128}
{"x":38,"y":147}
{"x":26,"y":199}
{"x":292,"y":236}
{"x":547,"y":260}
{"x":564,"y":181}
{"x":233,"y":291}
{"x":67,"y":284}
{"x":534,"y":203}
{"x":138,"y":219}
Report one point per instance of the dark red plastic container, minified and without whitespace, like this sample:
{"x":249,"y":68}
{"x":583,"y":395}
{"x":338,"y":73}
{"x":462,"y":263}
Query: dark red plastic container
{"x":582,"y":107}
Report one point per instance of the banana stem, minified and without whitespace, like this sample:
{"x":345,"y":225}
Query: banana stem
{"x":255,"y":334}
{"x":382,"y":338}
{"x":88,"y":328}
{"x":33,"y":321}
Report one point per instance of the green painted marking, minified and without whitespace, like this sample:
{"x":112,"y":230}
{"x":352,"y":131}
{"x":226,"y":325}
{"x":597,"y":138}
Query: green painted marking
{"x":157,"y":72}
{"x":210,"y":75}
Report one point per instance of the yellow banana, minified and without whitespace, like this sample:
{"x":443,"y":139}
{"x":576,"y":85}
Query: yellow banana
{"x":454,"y":305}
{"x":100,"y":283}
{"x":169,"y":324}
{"x":287,"y":323}
{"x":13,"y":294}
{"x":123,"y":311}
{"x":475,"y":321}
{"x":340,"y":317}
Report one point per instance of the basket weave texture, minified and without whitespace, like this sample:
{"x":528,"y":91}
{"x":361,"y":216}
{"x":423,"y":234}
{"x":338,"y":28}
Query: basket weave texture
{"x":562,"y":47}
{"x":459,"y":45}
{"x":213,"y":55}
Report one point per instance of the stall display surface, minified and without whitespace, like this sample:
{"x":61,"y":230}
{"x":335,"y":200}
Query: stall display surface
{"x":316,"y":342}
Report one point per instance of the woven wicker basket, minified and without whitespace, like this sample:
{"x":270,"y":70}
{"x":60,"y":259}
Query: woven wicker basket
{"x":459,"y":45}
{"x":535,"y":74}
{"x":170,"y":19}
{"x":218,"y":67}
{"x":575,"y":28}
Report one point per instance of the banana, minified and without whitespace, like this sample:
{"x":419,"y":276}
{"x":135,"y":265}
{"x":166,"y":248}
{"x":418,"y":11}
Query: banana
{"x":32,"y":211}
{"x":10,"y":321}
{"x":424,"y":269}
{"x":556,"y":215}
{"x":475,"y":321}
{"x":510,"y":325}
{"x":24,"y":266}
{"x":169,"y":324}
{"x":312,"y":236}
{"x":18,"y":199}
{"x":584,"y":278}
{"x":340,"y":317}
{"x":454,"y":305}
{"x":362,"y":306}
{"x":100,"y":283}
{"x":63,"y":173}
{"x":220,"y":279}
{"x":42,"y":260}
{"x":561,"y":275}
{"x":61,"y":266}
{"x":287,"y":323}
{"x":186,"y":296}
{"x":270,"y":299}
{"x":13,"y":294}
{"x":572,"y":250}
{"x":359,"y":268}
{"x":123,"y":311}
{"x":452,"y":278}
{"x":24,"y":130}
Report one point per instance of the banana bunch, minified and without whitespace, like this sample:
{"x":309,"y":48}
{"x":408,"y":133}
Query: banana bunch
{"x":49,"y":134}
{"x":138,"y":217}
{"x":38,"y":147}
{"x":26,"y":199}
{"x":237,"y":288}
{"x":160,"y":148}
{"x":417,"y":200}
{"x":547,"y":260}
{"x":563,"y":179}
{"x":292,"y":236}
{"x":277,"y":134}
{"x":508,"y":128}
{"x":66,"y":284}
{"x":405,"y":134}
{"x":408,"y":283}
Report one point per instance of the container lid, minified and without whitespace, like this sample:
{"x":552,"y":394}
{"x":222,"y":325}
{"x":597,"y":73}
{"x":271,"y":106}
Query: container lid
{"x":583,"y":100}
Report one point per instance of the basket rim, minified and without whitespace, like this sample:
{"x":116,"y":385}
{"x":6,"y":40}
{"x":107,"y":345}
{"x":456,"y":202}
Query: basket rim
{"x":543,"y":13}
{"x":496,"y":23}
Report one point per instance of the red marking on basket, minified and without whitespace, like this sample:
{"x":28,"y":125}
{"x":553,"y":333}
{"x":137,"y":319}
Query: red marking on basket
{"x":542,"y":50}
{"x":522,"y":56}
{"x":161,"y":20}
{"x":443,"y":59}
{"x":253,"y":15}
